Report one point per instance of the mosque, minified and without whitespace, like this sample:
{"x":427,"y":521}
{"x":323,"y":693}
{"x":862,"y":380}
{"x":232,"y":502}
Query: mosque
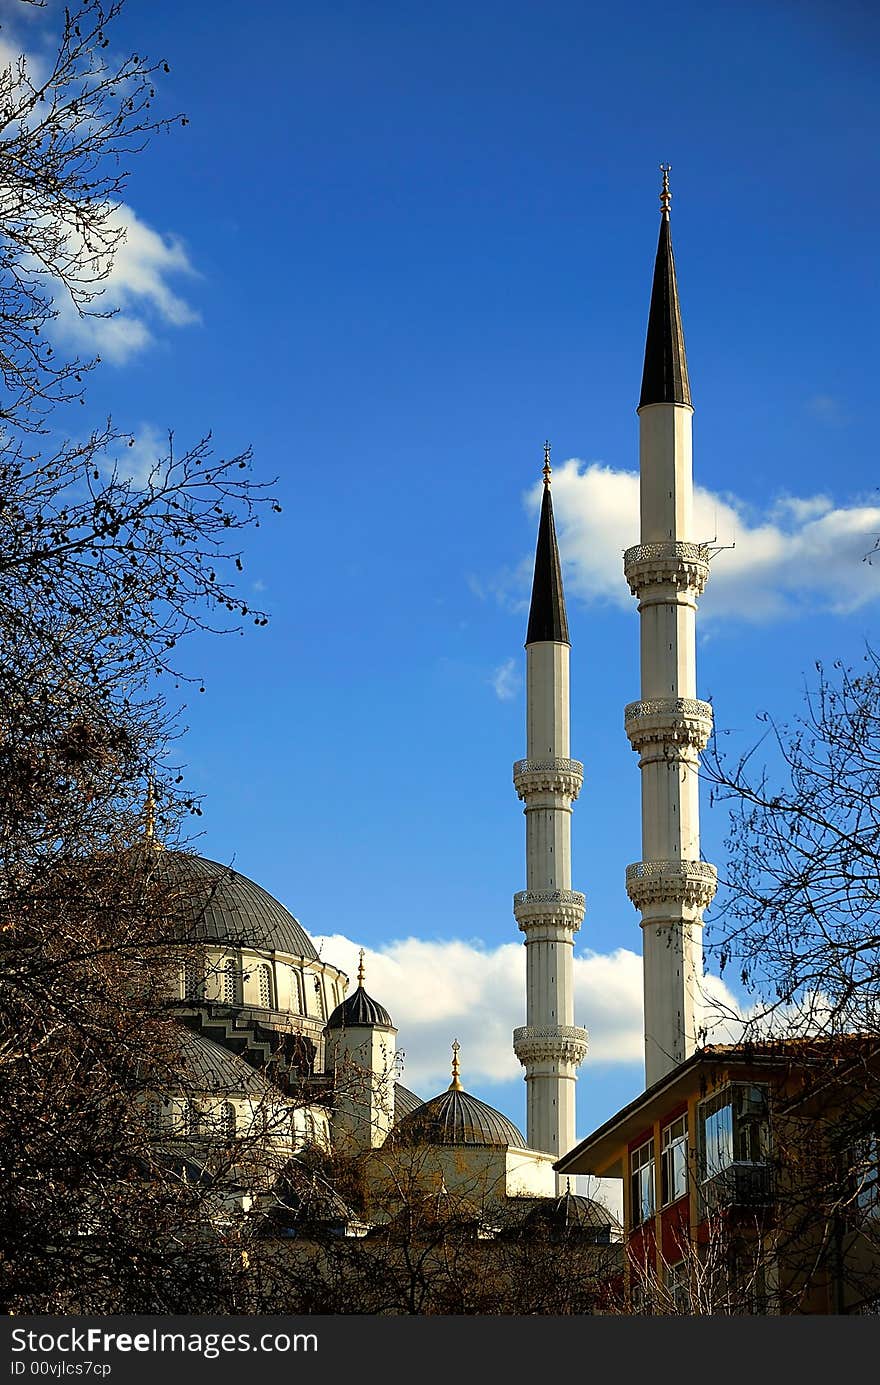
{"x":272,"y":1036}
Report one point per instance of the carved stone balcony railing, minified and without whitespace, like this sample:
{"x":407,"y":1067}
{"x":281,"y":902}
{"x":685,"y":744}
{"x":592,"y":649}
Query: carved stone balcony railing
{"x":692,"y":883}
{"x":566,"y":1043}
{"x":684,"y":566}
{"x":535,"y":909}
{"x":670,"y":721}
{"x":553,"y":775}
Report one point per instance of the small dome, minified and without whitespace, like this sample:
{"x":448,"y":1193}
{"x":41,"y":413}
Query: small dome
{"x":571,"y":1212}
{"x":359,"y":1010}
{"x":455,"y":1118}
{"x":219,"y":905}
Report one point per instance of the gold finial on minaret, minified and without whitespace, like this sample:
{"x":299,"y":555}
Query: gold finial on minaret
{"x":361,"y":967}
{"x":546,"y":463}
{"x":455,"y":1084}
{"x":665,"y":194}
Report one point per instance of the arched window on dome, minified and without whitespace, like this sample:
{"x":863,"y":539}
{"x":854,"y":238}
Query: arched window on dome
{"x":264,"y":985}
{"x":192,"y":977}
{"x":155,"y":1120}
{"x":229,"y":982}
{"x":227,"y":1120}
{"x":296,"y":992}
{"x":309,"y":1122}
{"x":314,"y":995}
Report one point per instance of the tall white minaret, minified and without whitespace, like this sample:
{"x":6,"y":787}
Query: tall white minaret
{"x":668,"y":727}
{"x":550,"y":1046}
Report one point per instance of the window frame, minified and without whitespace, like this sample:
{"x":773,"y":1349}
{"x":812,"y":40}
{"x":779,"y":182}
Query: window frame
{"x":265,"y":986}
{"x":668,"y":1164}
{"x":639,"y":1213}
{"x":865,"y":1151}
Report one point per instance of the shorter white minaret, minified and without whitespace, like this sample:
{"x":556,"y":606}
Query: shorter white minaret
{"x":361,"y":1054}
{"x":550,"y":1046}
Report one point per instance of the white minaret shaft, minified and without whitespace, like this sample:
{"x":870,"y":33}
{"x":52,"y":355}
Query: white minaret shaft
{"x":550,"y":1046}
{"x":668,"y":727}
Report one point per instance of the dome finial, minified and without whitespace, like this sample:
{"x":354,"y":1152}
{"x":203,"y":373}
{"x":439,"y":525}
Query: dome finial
{"x":455,"y":1084}
{"x":361,"y":967}
{"x":547,"y":463}
{"x":150,"y":815}
{"x":665,"y":194}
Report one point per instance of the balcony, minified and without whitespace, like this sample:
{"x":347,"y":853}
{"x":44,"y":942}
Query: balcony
{"x":742,"y":1186}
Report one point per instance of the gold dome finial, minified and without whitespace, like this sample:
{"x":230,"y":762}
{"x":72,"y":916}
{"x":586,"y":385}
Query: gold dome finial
{"x":455,"y":1084}
{"x":665,"y":194}
{"x":150,"y":815}
{"x":546,"y":463}
{"x":361,"y":967}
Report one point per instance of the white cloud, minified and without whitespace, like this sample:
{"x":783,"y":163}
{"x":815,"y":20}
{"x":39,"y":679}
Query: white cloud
{"x":439,"y":991}
{"x":506,"y":680}
{"x":795,"y":509}
{"x":136,"y":290}
{"x":804,"y":554}
{"x":459,"y":989}
{"x":137,"y":462}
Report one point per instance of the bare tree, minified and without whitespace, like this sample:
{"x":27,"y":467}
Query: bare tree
{"x":68,"y":127}
{"x":799,"y":925}
{"x":101,"y":577}
{"x":430,"y":1248}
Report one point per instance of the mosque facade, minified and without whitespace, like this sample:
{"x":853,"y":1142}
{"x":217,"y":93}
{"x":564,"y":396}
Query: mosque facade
{"x":270,"y":1033}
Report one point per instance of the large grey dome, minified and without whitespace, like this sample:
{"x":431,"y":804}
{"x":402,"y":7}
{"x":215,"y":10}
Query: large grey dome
{"x":217,"y":904}
{"x":455,"y":1118}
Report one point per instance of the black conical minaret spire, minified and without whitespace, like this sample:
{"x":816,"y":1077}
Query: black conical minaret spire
{"x":547,"y":620}
{"x":665,"y":376}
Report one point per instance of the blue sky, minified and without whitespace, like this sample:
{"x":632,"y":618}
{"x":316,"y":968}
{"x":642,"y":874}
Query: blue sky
{"x":397,"y":246}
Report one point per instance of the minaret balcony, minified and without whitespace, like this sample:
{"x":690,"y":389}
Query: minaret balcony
{"x":548,"y":911}
{"x":555,"y":775}
{"x":560,"y":1043}
{"x":684,"y":567}
{"x":689,"y":883}
{"x":677,"y":721}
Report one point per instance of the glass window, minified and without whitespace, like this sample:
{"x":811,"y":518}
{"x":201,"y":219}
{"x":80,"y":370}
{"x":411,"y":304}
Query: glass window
{"x":865,"y":1163}
{"x":676,"y":1282}
{"x":716,"y":1134}
{"x":734,"y":1128}
{"x":640,"y":1300}
{"x":674,"y":1161}
{"x":750,"y":1125}
{"x":641,"y":1163}
{"x":227,"y":1120}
